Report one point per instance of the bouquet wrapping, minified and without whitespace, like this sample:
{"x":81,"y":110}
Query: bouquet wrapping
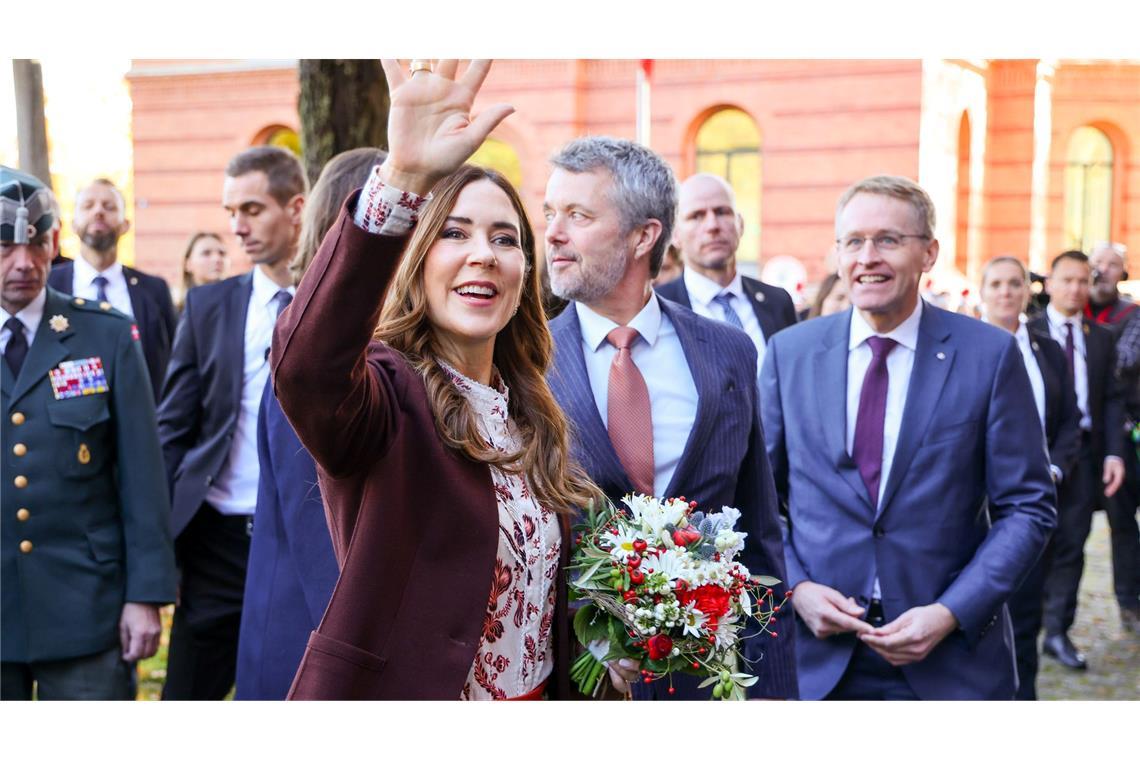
{"x":662,"y":587}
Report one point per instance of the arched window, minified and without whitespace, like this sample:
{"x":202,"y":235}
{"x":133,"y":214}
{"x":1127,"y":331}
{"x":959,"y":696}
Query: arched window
{"x":500,"y":156}
{"x":962,"y":228}
{"x":728,"y":145}
{"x":280,"y":137}
{"x":1088,"y":189}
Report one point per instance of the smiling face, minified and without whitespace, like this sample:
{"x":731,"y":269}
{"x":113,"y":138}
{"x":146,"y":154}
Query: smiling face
{"x":207,"y":260}
{"x":1005,"y":293}
{"x":586,"y":252}
{"x":883,"y":285}
{"x":473,"y":272}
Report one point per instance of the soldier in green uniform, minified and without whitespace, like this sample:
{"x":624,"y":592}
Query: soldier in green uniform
{"x":86,"y":557}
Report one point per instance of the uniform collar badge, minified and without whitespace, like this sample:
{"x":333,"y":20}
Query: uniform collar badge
{"x":59,"y":323}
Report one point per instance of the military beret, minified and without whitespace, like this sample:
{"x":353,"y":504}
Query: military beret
{"x":25,"y":207}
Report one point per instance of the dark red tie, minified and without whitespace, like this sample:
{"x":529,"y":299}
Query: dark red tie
{"x":867,"y":450}
{"x":629,"y":415}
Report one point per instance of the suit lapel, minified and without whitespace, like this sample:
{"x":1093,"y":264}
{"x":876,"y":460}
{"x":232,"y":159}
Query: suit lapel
{"x":1049,"y":379}
{"x":830,"y":391}
{"x":140,"y":302}
{"x":933,"y":359}
{"x":757,"y":299}
{"x":232,"y":326}
{"x":578,"y":399}
{"x":702,"y":363}
{"x":46,"y":351}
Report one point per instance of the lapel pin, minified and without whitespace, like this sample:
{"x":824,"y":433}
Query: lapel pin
{"x":759,"y":297}
{"x":59,"y":323}
{"x":1035,"y":346}
{"x":134,"y":280}
{"x":940,"y":355}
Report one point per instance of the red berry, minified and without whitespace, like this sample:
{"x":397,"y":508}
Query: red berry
{"x":672,"y":690}
{"x":774,"y":634}
{"x":634,"y":561}
{"x":788,"y":595}
{"x":636,"y":577}
{"x":702,"y":650}
{"x":692,"y":505}
{"x":776,"y":608}
{"x":648,"y":679}
{"x":696,"y":665}
{"x":639,"y":545}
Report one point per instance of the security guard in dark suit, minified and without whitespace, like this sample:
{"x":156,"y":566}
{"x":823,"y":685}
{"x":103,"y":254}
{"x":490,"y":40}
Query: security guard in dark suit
{"x":86,"y":557}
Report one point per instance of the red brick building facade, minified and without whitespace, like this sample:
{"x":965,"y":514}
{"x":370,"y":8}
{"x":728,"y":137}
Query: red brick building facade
{"x":1027,"y":157}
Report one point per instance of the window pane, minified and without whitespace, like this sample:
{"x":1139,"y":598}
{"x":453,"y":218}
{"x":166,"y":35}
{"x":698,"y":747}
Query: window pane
{"x":1088,"y":189}
{"x":728,"y":145}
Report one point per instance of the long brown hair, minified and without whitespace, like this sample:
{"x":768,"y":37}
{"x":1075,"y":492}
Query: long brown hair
{"x":343,"y":173}
{"x":523,"y":352}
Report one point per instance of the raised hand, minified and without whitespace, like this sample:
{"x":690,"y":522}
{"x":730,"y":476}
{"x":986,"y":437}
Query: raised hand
{"x":430,"y":128}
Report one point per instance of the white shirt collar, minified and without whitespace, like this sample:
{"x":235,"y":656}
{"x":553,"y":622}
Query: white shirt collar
{"x":85,"y":274}
{"x":30,"y":315}
{"x":595,"y":327}
{"x":906,"y":334}
{"x":264,"y":289}
{"x":1058,"y":319}
{"x":703,"y":289}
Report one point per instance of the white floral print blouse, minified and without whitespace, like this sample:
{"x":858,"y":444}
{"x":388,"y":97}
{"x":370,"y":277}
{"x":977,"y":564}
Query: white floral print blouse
{"x":515,"y":653}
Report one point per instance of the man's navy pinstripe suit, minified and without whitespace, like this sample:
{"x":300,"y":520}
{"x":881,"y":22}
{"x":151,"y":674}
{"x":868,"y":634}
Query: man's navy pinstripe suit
{"x":724,"y":462}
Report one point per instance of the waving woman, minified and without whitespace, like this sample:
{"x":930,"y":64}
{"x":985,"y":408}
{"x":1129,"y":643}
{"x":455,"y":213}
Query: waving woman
{"x":411,"y":365}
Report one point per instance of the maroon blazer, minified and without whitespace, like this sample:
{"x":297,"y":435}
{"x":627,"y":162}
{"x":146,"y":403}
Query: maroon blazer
{"x":414,"y":524}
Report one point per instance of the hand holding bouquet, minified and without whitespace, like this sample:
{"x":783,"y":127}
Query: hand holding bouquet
{"x":663,"y":588}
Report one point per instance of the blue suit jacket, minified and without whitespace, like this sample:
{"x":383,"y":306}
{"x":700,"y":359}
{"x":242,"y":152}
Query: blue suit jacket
{"x":723,"y":461}
{"x":201,"y":398}
{"x":154,"y":315}
{"x":292,"y":569}
{"x":969,"y":432}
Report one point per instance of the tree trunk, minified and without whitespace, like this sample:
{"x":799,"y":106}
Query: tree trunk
{"x":343,"y":105}
{"x":31,"y":129}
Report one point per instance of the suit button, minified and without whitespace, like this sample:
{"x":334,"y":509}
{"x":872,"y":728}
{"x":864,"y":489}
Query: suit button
{"x":21,"y":481}
{"x":26,"y":547}
{"x":879,"y":533}
{"x":19,"y":449}
{"x":22,"y":514}
{"x":18,"y":418}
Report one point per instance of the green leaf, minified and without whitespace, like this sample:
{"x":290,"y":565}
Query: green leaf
{"x":586,"y":576}
{"x":766,"y":580}
{"x":591,"y":624}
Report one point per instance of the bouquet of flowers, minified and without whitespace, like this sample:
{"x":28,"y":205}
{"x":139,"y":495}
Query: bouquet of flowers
{"x":662,"y":587}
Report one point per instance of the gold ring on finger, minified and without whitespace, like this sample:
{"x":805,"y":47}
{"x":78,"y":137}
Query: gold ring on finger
{"x":419,"y":64}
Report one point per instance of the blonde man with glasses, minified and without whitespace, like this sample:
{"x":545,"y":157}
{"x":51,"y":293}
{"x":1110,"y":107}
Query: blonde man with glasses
{"x":890,"y":427}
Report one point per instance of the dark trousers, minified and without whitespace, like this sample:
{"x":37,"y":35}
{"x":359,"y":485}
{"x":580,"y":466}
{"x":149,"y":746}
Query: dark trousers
{"x":1074,"y":520}
{"x":212,"y":554}
{"x":102,"y":676}
{"x":868,"y":675}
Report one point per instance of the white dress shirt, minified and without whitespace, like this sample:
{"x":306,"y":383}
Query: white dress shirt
{"x":30,"y":315}
{"x":1033,"y":369}
{"x":83,"y":284}
{"x":661,"y":361}
{"x":900,"y":362}
{"x":702,"y":291}
{"x":1080,"y":365}
{"x":234,"y":491}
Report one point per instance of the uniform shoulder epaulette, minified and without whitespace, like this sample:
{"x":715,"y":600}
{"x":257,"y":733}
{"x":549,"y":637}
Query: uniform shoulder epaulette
{"x":99,"y":307}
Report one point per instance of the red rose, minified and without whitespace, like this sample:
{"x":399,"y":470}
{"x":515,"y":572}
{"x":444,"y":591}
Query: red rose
{"x":659,"y":647}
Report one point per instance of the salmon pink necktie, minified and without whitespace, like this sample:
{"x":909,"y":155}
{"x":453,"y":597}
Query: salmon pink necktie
{"x":629,"y":416}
